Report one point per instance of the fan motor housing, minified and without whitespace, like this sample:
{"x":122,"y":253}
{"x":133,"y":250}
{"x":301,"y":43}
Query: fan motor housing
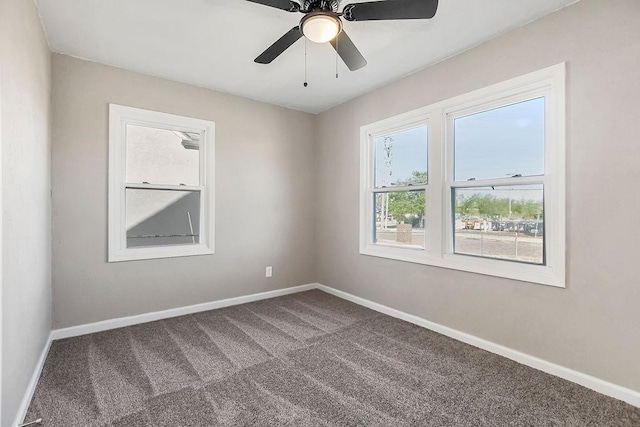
{"x":313,"y":5}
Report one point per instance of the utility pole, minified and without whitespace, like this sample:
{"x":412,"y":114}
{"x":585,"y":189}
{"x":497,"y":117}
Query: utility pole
{"x":387,"y":146}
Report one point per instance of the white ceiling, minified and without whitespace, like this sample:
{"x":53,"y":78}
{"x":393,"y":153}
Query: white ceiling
{"x":212,"y":43}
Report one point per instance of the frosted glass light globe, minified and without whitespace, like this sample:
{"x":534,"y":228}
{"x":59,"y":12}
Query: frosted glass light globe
{"x":321,"y":28}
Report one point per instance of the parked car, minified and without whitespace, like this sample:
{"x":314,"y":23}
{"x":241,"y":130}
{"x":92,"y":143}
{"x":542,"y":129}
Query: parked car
{"x":534,"y":228}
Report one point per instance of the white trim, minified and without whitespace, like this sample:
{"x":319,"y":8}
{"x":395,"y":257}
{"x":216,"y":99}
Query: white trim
{"x":89,"y":328}
{"x":33,"y":383}
{"x":121,"y":322}
{"x":438,"y":251}
{"x":604,"y":387}
{"x":406,"y":121}
{"x":601,"y":386}
{"x":119,"y":117}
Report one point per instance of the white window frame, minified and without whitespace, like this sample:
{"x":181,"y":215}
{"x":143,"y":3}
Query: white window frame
{"x":119,"y":117}
{"x":439,"y":232}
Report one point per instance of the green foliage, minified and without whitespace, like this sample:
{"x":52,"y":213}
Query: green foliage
{"x":410,"y":203}
{"x":489,"y":206}
{"x":401,"y":204}
{"x":417,"y":178}
{"x":406,"y":203}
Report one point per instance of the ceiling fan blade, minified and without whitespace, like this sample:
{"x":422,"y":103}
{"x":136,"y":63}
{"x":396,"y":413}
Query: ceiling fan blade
{"x":288,"y":5}
{"x":279,"y":46}
{"x":348,"y":51}
{"x":390,"y":9}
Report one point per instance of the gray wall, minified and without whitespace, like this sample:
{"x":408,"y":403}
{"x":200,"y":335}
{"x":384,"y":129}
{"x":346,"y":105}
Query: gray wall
{"x":26,"y":223}
{"x":591,"y":326}
{"x":265,"y":199}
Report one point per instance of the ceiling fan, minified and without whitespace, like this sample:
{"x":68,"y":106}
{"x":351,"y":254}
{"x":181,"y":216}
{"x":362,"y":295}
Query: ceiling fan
{"x":322,"y":23}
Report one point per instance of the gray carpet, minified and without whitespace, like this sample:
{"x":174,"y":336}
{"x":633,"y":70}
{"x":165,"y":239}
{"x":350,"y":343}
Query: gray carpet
{"x":308,"y":359}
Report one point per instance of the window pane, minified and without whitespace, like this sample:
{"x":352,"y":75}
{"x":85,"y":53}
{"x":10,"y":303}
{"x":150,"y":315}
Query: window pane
{"x":162,"y":217}
{"x":502,"y":142}
{"x":401,"y":158}
{"x":159,"y":156}
{"x":399,"y":218}
{"x":505,"y":222}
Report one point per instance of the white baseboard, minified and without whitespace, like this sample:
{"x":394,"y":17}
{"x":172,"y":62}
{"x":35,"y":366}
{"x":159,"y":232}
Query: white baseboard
{"x":89,"y":328}
{"x":618,"y":392}
{"x":604,"y":387}
{"x":33,"y":382}
{"x":120,"y":322}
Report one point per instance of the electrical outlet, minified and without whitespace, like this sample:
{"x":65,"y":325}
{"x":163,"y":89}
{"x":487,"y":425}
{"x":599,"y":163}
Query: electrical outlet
{"x":268,"y":272}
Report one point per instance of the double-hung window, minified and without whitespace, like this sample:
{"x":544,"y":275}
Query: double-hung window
{"x":161,"y":199}
{"x":485,"y":194}
{"x":398,"y":193}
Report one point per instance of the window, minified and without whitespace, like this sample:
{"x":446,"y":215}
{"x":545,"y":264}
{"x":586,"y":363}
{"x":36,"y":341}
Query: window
{"x":495,"y":151}
{"x":160,"y":185}
{"x":485,"y":194}
{"x":399,"y":188}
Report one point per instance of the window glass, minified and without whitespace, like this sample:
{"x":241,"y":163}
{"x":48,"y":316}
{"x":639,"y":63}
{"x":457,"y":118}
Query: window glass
{"x":505,"y":222}
{"x":162,"y":217}
{"x":399,"y":218}
{"x":401,"y":158}
{"x":159,"y":156}
{"x":503,"y":142}
{"x":486,"y":193}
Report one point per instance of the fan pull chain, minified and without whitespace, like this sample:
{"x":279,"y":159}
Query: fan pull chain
{"x":337,"y":47}
{"x":305,"y":63}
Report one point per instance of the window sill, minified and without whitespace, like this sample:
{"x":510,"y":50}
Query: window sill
{"x":538,"y":274}
{"x":159,"y":252}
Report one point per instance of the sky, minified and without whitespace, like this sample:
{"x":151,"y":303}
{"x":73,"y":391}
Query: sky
{"x":408,"y":154}
{"x":492,"y":144}
{"x":501,"y":142}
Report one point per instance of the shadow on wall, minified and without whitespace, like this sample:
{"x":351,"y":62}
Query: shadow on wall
{"x":176,"y":224}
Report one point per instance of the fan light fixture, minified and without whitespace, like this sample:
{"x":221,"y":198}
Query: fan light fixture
{"x":322,"y":23}
{"x":321,"y":27}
